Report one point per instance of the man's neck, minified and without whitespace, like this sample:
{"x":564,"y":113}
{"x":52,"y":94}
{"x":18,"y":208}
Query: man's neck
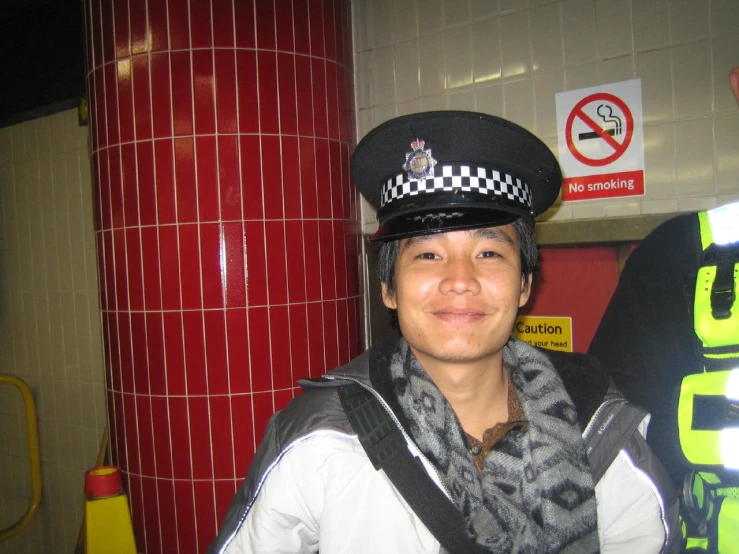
{"x":477,"y":391}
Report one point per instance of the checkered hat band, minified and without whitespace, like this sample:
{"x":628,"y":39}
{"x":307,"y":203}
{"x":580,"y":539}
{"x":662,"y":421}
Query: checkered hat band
{"x":468,"y":178}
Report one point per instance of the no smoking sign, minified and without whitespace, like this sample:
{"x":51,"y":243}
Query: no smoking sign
{"x":601,"y":141}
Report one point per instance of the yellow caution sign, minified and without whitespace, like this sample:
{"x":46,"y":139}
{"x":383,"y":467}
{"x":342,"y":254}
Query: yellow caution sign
{"x":554,"y":333}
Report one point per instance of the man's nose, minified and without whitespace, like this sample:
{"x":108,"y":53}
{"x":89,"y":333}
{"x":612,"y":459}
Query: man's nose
{"x":460,"y":277}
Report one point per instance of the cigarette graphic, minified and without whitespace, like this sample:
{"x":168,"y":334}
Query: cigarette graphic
{"x":606,"y":114}
{"x":594,"y":135}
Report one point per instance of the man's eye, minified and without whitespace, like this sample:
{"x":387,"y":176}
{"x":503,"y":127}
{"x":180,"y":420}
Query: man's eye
{"x":427,"y":256}
{"x":489,"y":254}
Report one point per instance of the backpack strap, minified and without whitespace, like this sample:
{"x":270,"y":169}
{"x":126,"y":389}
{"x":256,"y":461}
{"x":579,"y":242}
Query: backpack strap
{"x":387,"y":450}
{"x":609,"y":431}
{"x":716,"y":303}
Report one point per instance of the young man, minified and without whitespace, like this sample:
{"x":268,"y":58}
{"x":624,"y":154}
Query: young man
{"x":494,"y":426}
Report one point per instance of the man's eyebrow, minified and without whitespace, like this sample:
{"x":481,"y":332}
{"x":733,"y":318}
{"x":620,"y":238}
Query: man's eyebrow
{"x":493,"y":233}
{"x":490,"y":233}
{"x":410,"y":241}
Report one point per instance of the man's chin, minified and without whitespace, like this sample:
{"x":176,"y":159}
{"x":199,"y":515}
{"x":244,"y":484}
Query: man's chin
{"x":460,"y":354}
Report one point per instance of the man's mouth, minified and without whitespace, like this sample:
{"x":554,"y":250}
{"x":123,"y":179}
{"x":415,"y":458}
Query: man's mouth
{"x":460,"y":315}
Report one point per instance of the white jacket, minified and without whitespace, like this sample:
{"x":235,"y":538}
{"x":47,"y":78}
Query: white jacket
{"x":311,"y":485}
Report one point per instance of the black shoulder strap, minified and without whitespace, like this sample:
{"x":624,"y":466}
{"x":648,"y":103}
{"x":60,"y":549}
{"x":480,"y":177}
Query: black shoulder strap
{"x":387,"y":450}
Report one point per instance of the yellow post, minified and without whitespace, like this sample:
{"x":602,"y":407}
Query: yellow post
{"x":107,"y":516}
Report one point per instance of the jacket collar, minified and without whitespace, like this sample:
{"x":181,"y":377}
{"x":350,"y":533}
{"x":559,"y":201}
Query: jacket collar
{"x":585,"y":379}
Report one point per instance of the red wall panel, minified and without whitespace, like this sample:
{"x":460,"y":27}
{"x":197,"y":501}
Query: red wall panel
{"x":575,"y":282}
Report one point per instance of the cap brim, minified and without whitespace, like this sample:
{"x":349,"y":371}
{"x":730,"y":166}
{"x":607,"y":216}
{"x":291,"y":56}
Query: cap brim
{"x":442,"y":220}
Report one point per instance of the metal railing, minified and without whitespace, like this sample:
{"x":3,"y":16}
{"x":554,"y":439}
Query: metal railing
{"x":33,"y":452}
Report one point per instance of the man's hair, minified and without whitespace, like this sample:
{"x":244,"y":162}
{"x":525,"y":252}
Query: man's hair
{"x":524,"y":226}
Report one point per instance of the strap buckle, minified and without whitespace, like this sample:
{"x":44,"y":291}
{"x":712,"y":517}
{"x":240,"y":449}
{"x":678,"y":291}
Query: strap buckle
{"x":723,"y":293}
{"x":723,"y":289}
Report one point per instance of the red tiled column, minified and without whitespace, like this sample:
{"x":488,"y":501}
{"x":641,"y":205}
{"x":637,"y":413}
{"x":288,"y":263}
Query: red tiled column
{"x":227,"y":235}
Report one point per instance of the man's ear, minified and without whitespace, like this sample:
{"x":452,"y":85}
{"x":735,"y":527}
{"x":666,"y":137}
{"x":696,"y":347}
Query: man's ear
{"x":388,"y":298}
{"x":734,"y":81}
{"x":526,"y":281}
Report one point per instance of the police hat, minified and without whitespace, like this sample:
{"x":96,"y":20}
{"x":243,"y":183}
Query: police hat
{"x":449,"y":170}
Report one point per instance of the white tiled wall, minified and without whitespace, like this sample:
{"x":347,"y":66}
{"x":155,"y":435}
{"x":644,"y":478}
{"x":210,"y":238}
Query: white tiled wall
{"x":510,"y":57}
{"x":50,"y":332}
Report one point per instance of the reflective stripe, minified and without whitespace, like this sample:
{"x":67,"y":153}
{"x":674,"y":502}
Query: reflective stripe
{"x":718,"y":446}
{"x":730,"y":448}
{"x":724,"y":223}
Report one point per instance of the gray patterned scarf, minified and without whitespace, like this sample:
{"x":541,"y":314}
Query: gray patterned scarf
{"x":536,"y":493}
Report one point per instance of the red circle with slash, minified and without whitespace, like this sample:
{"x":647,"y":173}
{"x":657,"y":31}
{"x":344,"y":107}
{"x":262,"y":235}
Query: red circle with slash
{"x":618,"y":147}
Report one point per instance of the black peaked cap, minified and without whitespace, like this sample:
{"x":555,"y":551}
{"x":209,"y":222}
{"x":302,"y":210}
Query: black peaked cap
{"x":450,"y":170}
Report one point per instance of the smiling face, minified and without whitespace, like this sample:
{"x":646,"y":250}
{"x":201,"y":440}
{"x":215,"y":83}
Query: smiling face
{"x":458,"y":293}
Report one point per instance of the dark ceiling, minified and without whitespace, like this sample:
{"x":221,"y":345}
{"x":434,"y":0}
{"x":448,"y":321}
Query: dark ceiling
{"x":42,"y":63}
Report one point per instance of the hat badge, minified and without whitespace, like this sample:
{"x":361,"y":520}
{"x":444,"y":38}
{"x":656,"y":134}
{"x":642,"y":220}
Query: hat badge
{"x":419,"y":164}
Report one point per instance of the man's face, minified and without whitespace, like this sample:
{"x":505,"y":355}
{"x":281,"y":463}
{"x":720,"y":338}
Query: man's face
{"x":458,"y":293}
